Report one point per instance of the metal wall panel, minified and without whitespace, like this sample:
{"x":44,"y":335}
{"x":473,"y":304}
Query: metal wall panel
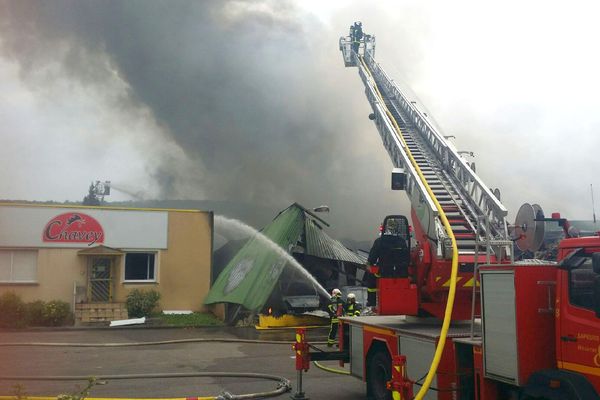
{"x":499,"y":325}
{"x":419,"y":354}
{"x":356,"y":351}
{"x":320,"y":244}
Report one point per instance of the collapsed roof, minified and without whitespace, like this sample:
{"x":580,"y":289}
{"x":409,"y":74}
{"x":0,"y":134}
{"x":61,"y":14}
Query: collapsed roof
{"x":250,"y":277}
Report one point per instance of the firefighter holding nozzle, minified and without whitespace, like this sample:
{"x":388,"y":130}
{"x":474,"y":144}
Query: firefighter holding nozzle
{"x":335,"y":309}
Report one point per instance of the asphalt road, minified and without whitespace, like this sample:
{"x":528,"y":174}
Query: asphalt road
{"x":274,"y":359}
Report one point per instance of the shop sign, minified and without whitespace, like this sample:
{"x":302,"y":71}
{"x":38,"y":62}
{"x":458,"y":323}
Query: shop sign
{"x":73,"y":227}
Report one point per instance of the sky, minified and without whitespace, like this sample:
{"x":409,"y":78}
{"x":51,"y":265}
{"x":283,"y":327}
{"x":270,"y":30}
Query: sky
{"x":249,"y":100}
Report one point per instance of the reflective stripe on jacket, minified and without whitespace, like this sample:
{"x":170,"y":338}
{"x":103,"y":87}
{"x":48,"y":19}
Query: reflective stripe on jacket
{"x":352,"y":309}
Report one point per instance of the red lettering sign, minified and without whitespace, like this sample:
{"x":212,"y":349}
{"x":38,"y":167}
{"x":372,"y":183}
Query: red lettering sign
{"x":73,"y":227}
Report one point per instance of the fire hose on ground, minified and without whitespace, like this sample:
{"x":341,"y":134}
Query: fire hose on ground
{"x":155,"y":343}
{"x":283,"y":386}
{"x":163,"y":342}
{"x":329,"y":369}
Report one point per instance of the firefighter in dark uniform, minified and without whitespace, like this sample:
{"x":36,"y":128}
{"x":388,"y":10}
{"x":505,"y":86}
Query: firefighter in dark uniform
{"x":352,"y":308}
{"x":357,"y":34}
{"x":389,"y":253}
{"x":370,"y":281}
{"x":335,"y":310}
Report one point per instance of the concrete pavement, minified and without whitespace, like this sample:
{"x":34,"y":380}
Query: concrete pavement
{"x":274,"y":359}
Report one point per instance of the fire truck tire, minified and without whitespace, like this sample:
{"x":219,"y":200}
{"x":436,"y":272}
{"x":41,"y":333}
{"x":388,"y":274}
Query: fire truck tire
{"x":379,"y":372}
{"x":572,"y":386}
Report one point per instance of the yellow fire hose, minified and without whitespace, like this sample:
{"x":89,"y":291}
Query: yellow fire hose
{"x":454,"y":270}
{"x":329,"y":369}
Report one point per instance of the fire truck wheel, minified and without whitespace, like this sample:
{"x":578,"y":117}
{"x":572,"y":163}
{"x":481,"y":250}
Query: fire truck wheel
{"x":379,"y":372}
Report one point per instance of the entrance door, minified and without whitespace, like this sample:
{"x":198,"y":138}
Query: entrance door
{"x":100,"y":282}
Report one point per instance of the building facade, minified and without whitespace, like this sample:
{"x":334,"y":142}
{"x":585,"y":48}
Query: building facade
{"x":92,"y":257}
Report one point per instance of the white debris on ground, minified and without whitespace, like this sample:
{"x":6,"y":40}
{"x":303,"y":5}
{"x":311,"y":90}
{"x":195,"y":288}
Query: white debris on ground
{"x":132,"y":321}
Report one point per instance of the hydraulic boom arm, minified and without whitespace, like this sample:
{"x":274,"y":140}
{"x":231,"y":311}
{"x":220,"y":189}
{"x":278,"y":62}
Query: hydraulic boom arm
{"x":465,"y":199}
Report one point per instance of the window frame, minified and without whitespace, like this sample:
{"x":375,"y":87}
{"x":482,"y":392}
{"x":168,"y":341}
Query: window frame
{"x":585,"y":262}
{"x":142,"y":281}
{"x":35,"y":280}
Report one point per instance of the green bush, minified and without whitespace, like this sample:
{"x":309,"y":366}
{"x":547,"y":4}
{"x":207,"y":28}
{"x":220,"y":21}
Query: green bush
{"x":34,"y":313}
{"x":56,"y":313}
{"x":12,"y":311}
{"x":140,"y":303}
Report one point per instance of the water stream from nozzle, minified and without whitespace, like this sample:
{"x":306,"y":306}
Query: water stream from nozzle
{"x":229,"y":223}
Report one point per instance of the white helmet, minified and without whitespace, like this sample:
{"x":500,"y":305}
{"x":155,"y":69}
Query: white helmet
{"x":336,"y":292}
{"x":351,"y":296}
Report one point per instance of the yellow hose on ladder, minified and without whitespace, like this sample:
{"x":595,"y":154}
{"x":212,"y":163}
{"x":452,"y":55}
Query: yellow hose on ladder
{"x":454,"y":270}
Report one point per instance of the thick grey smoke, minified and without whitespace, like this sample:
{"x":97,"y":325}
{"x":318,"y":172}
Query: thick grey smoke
{"x":249,"y":90}
{"x":249,"y":100}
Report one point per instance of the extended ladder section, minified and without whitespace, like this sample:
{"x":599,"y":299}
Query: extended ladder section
{"x":413,"y":144}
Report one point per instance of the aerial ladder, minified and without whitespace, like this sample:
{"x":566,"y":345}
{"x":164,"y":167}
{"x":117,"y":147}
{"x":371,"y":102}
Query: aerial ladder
{"x":451,"y":206}
{"x":538,"y":332}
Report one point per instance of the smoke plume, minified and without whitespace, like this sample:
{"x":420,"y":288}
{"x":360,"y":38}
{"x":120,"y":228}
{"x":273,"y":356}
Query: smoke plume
{"x":249,"y":101}
{"x":246,"y":92}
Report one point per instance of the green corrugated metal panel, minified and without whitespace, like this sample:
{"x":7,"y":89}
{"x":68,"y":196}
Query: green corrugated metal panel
{"x":320,"y":244}
{"x":250,"y":277}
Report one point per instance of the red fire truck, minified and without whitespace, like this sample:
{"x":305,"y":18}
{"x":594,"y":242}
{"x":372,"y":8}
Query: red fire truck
{"x":468,"y":322}
{"x":539,"y":335}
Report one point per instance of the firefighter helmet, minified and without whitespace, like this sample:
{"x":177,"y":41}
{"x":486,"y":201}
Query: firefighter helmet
{"x":336,"y":292}
{"x":392,"y":227}
{"x":351,"y":296}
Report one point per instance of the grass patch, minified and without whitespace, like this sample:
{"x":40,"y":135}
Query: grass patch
{"x":194,"y":319}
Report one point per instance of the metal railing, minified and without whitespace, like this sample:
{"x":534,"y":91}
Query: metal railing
{"x":481,"y":199}
{"x":420,"y":198}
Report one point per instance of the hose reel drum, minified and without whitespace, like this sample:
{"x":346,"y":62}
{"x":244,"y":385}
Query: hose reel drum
{"x":529,"y":227}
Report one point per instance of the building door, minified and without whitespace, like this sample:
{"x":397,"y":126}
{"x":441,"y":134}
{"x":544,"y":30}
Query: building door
{"x":100,"y":280}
